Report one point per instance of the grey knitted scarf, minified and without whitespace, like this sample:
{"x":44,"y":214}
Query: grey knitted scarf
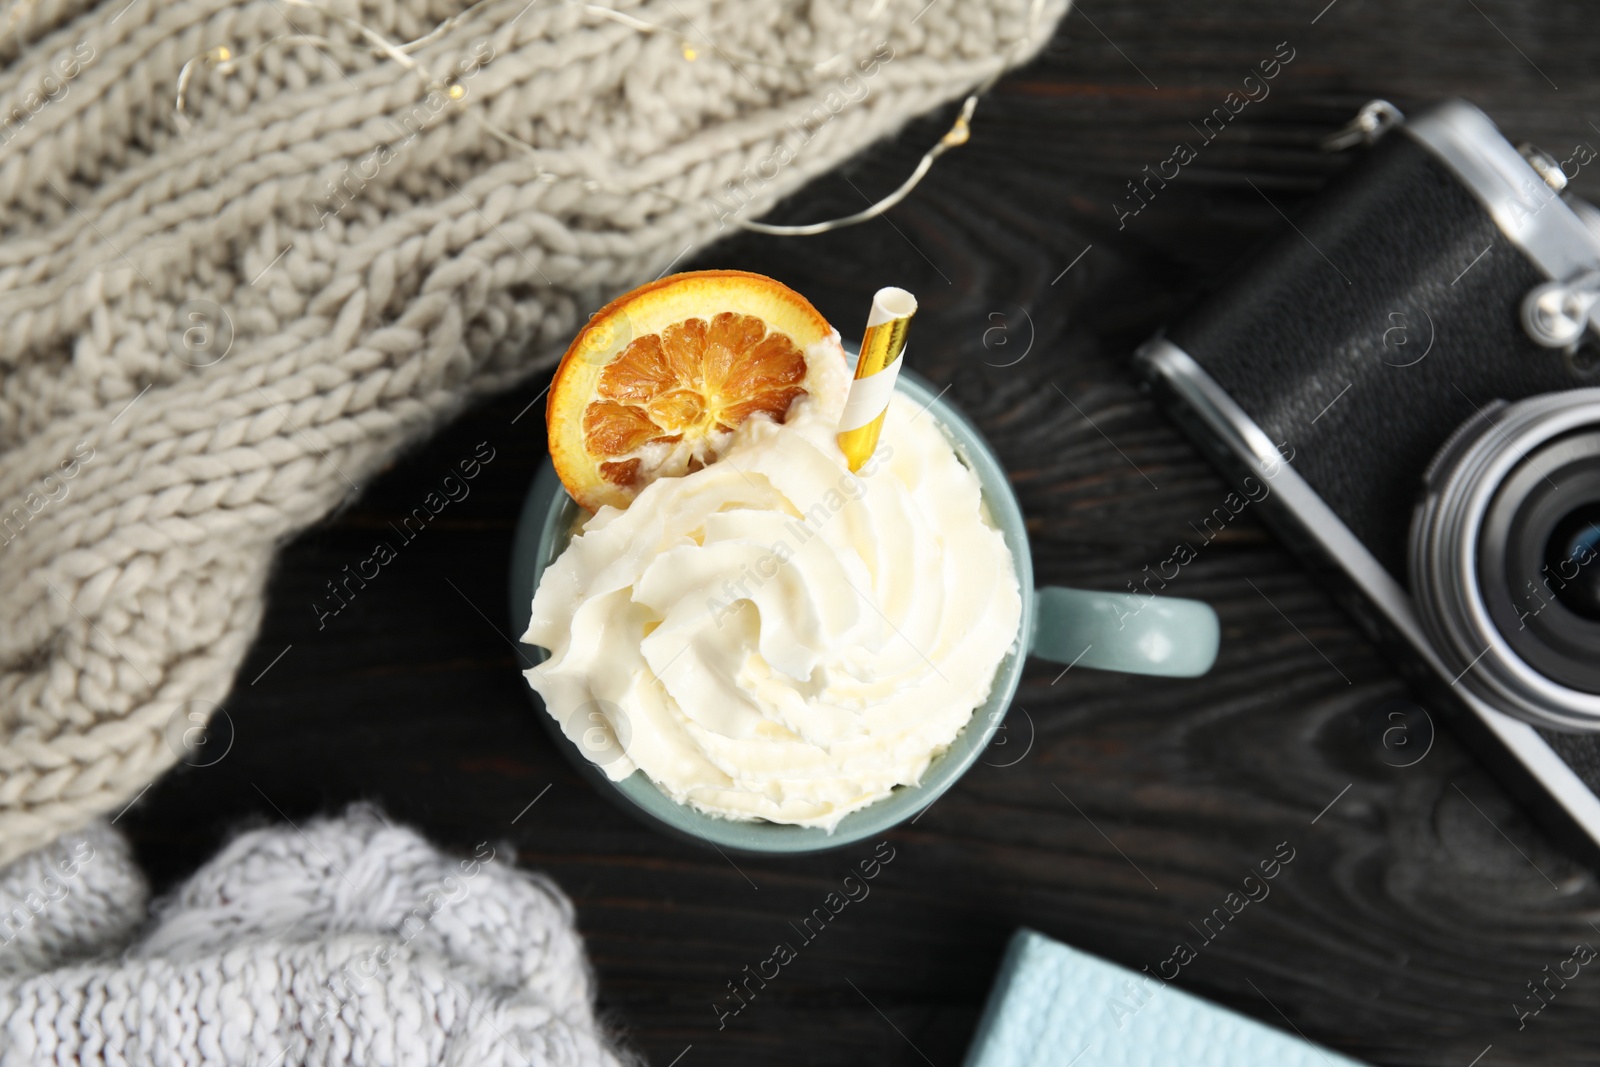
{"x":218,"y":325}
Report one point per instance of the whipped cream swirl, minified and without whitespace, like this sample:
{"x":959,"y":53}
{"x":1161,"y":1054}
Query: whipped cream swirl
{"x":774,"y":637}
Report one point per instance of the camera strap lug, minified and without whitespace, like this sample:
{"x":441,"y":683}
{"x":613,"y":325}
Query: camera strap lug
{"x":1376,"y":118}
{"x":1557,"y":314}
{"x":1544,"y":164}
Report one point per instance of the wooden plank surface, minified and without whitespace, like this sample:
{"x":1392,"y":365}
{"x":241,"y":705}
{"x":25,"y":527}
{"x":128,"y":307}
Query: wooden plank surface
{"x":1115,"y":813}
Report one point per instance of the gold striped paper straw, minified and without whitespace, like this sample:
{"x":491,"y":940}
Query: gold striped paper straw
{"x":876,"y":369}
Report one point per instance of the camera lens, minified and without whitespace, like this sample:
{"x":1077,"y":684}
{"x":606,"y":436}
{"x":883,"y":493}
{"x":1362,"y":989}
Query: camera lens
{"x":1574,"y":549}
{"x":1534,"y":566}
{"x":1505,"y":557}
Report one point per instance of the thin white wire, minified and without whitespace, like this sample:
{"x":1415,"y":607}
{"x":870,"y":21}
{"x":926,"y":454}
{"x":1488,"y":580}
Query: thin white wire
{"x":959,"y":133}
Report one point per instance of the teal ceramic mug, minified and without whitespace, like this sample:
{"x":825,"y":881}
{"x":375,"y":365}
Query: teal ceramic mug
{"x":1128,"y":632}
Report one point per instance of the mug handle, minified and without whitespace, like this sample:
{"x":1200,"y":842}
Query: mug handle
{"x":1160,"y":635}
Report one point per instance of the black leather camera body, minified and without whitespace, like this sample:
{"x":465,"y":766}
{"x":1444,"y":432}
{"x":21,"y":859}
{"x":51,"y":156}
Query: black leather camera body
{"x":1412,"y":364}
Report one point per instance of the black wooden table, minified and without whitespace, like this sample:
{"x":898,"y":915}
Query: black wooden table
{"x":1114,"y":811}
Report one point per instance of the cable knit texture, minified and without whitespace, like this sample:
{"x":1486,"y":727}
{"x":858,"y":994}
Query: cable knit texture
{"x":353,"y":942}
{"x":216,"y":329}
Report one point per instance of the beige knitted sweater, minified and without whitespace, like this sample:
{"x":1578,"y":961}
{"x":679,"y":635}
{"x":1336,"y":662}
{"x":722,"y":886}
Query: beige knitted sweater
{"x":214,"y":328}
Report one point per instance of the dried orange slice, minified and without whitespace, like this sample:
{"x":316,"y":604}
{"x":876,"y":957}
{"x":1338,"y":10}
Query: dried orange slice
{"x":659,"y":379}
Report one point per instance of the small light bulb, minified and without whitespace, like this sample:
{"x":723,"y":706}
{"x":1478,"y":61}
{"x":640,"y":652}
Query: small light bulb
{"x":689,"y":53}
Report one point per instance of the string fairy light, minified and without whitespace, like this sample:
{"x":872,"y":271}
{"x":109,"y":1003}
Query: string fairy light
{"x":959,"y":133}
{"x":223,"y":61}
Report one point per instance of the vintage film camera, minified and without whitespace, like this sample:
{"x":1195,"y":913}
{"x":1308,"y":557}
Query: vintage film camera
{"x":1422,"y":345}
